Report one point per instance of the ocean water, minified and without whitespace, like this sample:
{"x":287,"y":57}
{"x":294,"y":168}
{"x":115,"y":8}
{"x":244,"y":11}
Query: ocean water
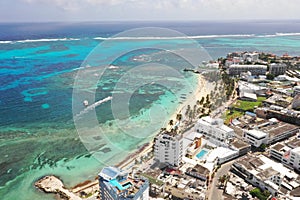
{"x":38,"y":67}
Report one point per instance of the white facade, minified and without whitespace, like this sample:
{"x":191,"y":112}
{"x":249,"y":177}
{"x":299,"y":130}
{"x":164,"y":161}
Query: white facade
{"x":213,"y":65}
{"x":250,"y":88}
{"x":144,"y":195}
{"x":297,"y":90}
{"x":264,"y":173}
{"x":277,"y":68}
{"x":251,"y":57}
{"x":295,"y":158}
{"x":168,"y":148}
{"x":254,"y":69}
{"x":221,"y":155}
{"x":286,"y":155}
{"x":214,"y":129}
{"x":256,"y":137}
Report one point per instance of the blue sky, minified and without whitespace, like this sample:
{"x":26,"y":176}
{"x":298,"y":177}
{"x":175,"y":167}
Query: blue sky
{"x":102,"y":10}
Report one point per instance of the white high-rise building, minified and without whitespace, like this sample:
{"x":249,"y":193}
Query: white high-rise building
{"x":115,"y":184}
{"x":168,"y":148}
{"x":277,"y":68}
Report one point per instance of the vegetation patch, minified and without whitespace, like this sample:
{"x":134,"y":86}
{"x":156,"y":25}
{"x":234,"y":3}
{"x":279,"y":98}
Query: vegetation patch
{"x":256,"y":192}
{"x":152,"y":180}
{"x":240,"y":107}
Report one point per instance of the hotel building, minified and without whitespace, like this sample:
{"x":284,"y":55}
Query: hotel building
{"x":168,"y":148}
{"x":117,"y":185}
{"x":254,"y":69}
{"x":214,"y":129}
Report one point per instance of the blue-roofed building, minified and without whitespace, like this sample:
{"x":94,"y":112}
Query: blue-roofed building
{"x":117,"y":185}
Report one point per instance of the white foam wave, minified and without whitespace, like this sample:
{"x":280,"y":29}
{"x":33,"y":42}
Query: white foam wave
{"x":39,"y":40}
{"x":5,"y":42}
{"x":152,"y":38}
{"x":280,"y":35}
{"x":175,"y":37}
{"x":199,"y":36}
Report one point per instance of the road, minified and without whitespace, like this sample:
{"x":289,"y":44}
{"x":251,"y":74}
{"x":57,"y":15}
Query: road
{"x":214,"y":193}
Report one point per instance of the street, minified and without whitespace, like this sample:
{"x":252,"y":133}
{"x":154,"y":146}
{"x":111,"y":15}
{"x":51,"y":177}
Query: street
{"x":213,"y":192}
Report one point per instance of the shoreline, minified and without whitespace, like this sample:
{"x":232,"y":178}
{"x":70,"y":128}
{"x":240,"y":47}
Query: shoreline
{"x":199,"y":92}
{"x":92,"y":185}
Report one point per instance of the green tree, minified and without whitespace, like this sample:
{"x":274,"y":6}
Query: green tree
{"x":270,"y":76}
{"x":201,"y":101}
{"x":207,"y":98}
{"x":256,"y":192}
{"x":179,"y":117}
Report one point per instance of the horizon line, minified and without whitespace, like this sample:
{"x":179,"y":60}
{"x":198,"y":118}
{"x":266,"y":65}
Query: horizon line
{"x":156,"y":20}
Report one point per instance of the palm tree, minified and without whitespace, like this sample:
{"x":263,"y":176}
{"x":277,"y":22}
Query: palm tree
{"x":201,"y":101}
{"x":223,"y":179}
{"x":179,"y":117}
{"x":171,"y":123}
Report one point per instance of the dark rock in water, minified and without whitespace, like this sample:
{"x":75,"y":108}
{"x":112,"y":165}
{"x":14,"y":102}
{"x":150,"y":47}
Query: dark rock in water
{"x":97,"y":137}
{"x":97,"y":147}
{"x":70,"y":167}
{"x":88,"y":155}
{"x":77,"y":157}
{"x":105,"y":150}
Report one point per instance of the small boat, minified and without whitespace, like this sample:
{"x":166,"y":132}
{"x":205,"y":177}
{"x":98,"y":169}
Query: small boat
{"x":85,"y":103}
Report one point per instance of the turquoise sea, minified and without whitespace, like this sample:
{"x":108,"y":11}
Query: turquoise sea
{"x":38,"y":67}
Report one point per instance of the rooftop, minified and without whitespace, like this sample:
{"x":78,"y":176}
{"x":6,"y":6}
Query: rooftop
{"x":278,"y":146}
{"x":295,"y":142}
{"x":109,"y":173}
{"x":239,"y":144}
{"x":263,"y":166}
{"x":278,"y":128}
{"x":119,"y":181}
{"x":257,"y":133}
{"x":296,"y":192}
{"x":199,"y":169}
{"x":242,"y":66}
{"x":267,"y":173}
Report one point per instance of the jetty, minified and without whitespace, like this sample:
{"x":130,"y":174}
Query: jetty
{"x":52,"y":184}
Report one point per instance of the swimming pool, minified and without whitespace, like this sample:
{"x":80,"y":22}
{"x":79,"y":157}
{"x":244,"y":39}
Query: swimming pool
{"x":116,"y":183}
{"x":201,"y":154}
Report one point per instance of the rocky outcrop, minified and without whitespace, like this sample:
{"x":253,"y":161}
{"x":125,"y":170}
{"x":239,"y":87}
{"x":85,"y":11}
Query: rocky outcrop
{"x":52,"y":184}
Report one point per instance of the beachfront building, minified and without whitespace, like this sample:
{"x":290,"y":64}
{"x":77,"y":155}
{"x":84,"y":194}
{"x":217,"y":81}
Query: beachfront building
{"x":214,"y":129}
{"x":117,"y":185}
{"x":277,"y":68}
{"x":168,"y":148}
{"x":266,"y":174}
{"x":254,"y":69}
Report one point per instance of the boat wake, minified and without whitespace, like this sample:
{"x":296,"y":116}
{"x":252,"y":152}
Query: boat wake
{"x":92,"y":107}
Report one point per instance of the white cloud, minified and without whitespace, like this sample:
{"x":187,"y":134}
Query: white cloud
{"x":177,"y":9}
